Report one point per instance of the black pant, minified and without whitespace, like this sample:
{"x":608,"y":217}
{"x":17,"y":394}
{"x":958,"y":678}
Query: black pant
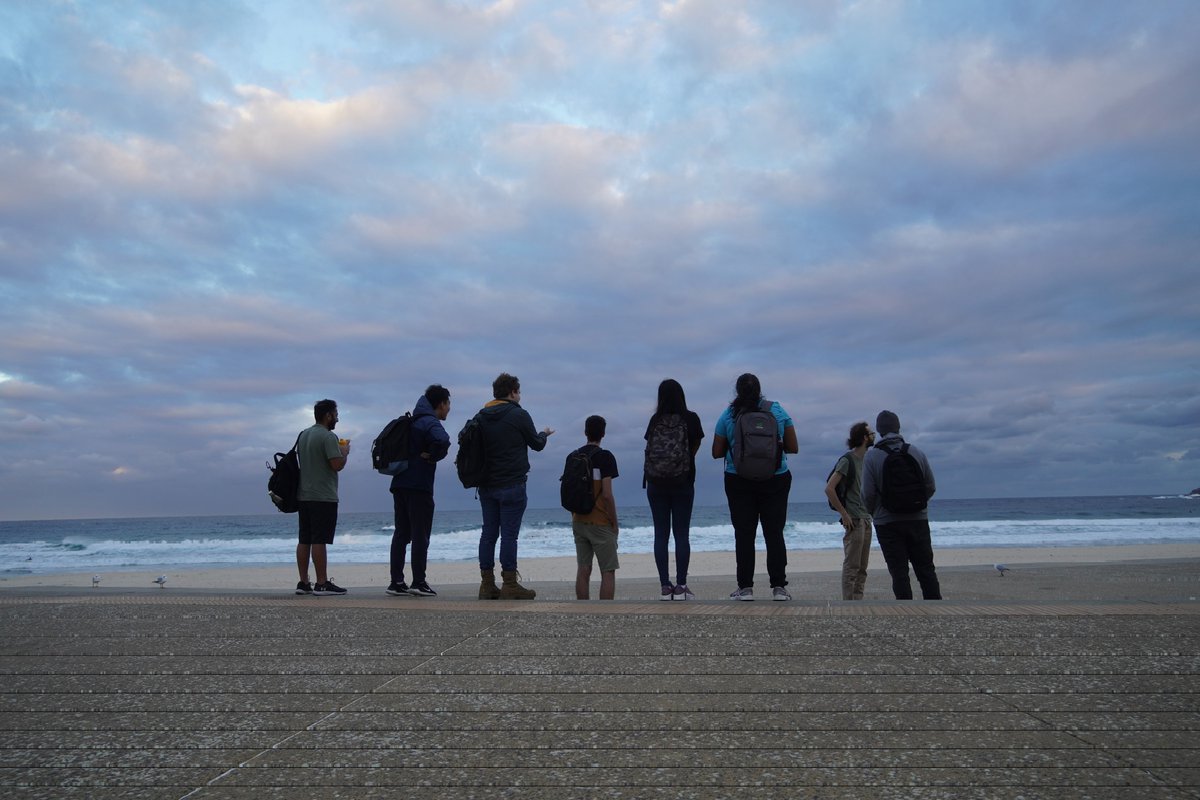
{"x":414,"y":523}
{"x":751,"y":503}
{"x":908,"y":541}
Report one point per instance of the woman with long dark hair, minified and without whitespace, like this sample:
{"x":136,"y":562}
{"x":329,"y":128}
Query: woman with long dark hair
{"x":757,"y":481}
{"x":672,"y":439}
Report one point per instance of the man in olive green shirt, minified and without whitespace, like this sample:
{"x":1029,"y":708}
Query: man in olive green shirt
{"x":322,"y":456}
{"x":856,"y":519}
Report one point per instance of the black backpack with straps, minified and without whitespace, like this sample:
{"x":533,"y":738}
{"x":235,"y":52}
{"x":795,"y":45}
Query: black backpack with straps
{"x":576,"y":491}
{"x":902,"y":481}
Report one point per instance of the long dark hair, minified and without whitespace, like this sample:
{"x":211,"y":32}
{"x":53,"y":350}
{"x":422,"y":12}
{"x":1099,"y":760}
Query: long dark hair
{"x":670,"y":399}
{"x":749,"y":394}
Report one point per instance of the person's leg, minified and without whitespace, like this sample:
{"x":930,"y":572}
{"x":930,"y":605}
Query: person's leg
{"x":304,"y":543}
{"x":891,"y":539}
{"x":401,"y":535}
{"x":920,"y":552}
{"x":743,"y":515}
{"x":773,"y":500}
{"x":608,"y":585}
{"x":659,"y":499}
{"x":583,"y":578}
{"x":856,"y":543}
{"x":604,"y":544}
{"x":489,"y":504}
{"x":512,"y":508}
{"x":303,"y":553}
{"x":324,"y":527}
{"x":420,"y":520}
{"x":682,"y":499}
{"x":583,"y":561}
{"x":850,"y":546}
{"x":320,"y":561}
{"x":860,"y":582}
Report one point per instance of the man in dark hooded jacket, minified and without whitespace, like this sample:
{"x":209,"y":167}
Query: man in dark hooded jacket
{"x":412,"y":491}
{"x":508,"y":435}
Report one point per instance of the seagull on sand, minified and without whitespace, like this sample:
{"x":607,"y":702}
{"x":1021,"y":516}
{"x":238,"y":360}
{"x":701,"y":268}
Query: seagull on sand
{"x":1001,"y":568}
{"x":95,"y":581}
{"x":161,"y":580}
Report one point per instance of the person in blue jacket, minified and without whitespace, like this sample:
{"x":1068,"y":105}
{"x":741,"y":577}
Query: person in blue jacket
{"x":412,"y":491}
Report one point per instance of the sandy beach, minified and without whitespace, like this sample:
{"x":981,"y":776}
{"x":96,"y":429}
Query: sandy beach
{"x":713,"y":570}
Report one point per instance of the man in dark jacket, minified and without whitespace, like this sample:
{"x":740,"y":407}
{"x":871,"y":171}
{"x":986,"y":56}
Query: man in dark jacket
{"x":903,"y":536}
{"x":412,"y":491}
{"x":508,"y":433}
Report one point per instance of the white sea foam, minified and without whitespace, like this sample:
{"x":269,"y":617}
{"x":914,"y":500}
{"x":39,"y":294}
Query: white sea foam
{"x":92,"y":545}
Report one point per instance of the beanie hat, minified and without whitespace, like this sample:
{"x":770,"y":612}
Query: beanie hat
{"x":887,"y":422}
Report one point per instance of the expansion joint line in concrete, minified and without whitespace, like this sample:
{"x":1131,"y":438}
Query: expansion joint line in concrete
{"x":333,"y":714}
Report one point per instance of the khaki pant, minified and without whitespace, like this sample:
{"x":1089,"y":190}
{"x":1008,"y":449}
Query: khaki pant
{"x":856,"y":544}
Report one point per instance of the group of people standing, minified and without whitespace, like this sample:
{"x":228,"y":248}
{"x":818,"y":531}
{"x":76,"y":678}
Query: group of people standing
{"x":753,"y":436}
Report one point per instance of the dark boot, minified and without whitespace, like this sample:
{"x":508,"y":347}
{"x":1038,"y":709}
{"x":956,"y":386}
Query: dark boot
{"x":513,"y":590}
{"x":488,"y":590}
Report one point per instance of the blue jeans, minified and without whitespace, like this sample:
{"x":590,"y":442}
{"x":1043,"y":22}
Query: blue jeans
{"x":503,"y":509}
{"x":671,"y":507}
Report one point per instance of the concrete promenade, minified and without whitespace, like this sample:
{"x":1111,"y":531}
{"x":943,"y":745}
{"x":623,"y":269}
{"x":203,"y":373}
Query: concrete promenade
{"x":258,"y":695}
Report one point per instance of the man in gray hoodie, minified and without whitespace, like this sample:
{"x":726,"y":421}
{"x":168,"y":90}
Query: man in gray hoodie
{"x":903,"y":535}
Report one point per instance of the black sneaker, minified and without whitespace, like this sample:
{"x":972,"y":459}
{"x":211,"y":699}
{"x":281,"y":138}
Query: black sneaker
{"x":328,"y":587}
{"x":421,"y":590}
{"x":303,"y":587}
{"x":397,"y":589}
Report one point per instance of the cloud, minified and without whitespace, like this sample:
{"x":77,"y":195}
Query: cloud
{"x":213,"y":216}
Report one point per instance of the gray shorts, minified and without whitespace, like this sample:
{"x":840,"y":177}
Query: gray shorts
{"x":599,"y":541}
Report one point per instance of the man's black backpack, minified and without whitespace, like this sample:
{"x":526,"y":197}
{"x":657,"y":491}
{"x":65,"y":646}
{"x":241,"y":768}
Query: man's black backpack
{"x":843,"y":486}
{"x":284,"y":484}
{"x":389,"y":451}
{"x":668,"y":457}
{"x":471,"y":459}
{"x":902,"y":481}
{"x":575,"y":489}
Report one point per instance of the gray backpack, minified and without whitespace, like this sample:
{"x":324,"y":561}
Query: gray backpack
{"x":757,"y":448}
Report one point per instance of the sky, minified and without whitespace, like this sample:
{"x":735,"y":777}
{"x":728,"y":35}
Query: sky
{"x":984,"y":216}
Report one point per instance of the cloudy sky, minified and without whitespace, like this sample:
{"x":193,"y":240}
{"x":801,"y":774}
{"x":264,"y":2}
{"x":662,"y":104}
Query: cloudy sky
{"x":982,"y":215}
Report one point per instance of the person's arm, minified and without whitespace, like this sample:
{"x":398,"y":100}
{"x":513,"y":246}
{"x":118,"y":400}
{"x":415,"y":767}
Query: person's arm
{"x":338,"y":463}
{"x":869,"y":492}
{"x":438,"y":444}
{"x":535,"y":440}
{"x":831,"y":493}
{"x":720,"y":446}
{"x":610,"y":501}
{"x":930,"y":483}
{"x":790,"y":444}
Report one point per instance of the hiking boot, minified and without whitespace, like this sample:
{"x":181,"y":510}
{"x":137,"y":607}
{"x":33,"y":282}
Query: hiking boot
{"x":488,"y":590}
{"x":303,"y":587}
{"x":682,"y":592}
{"x":780,"y":593}
{"x":513,"y":590}
{"x":667,"y":593}
{"x":742,"y":594}
{"x":421,"y":589}
{"x":328,"y":587}
{"x":397,"y":589}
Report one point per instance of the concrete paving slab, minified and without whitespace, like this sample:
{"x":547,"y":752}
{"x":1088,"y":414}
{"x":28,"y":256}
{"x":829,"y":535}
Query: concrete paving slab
{"x":221,"y":696}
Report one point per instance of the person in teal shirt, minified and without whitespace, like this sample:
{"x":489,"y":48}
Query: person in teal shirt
{"x":756,"y":502}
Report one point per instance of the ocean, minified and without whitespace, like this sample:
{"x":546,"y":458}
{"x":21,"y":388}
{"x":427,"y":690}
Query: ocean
{"x":163,"y":543}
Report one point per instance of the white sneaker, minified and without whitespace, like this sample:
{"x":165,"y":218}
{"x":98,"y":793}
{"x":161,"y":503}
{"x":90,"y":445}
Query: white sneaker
{"x":780,"y":593}
{"x":682,"y":592}
{"x":742,"y":594}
